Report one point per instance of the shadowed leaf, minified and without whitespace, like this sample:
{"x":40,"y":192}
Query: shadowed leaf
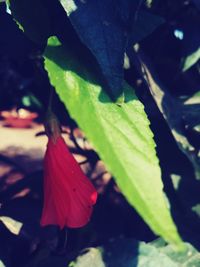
{"x":33,"y":17}
{"x":98,"y":26}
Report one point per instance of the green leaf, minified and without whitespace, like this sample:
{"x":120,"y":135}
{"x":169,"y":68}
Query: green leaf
{"x":194,"y":99}
{"x":129,"y":253}
{"x":119,"y":133}
{"x":12,"y":225}
{"x":191,"y":59}
{"x":29,"y":100}
{"x":33,"y":17}
{"x":93,"y":258}
{"x":188,"y":258}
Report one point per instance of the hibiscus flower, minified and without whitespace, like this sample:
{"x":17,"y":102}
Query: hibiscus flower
{"x":69,"y":195}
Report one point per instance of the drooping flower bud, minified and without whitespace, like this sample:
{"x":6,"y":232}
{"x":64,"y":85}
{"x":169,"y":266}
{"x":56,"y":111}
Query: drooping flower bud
{"x":69,"y":196}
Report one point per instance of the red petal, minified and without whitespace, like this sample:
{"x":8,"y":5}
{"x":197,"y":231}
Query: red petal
{"x":68,"y":194}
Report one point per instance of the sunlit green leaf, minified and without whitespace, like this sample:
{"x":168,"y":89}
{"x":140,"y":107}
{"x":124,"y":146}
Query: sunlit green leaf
{"x":191,"y":59}
{"x":119,"y":133}
{"x":194,"y":99}
{"x":93,"y":257}
{"x":12,"y":225}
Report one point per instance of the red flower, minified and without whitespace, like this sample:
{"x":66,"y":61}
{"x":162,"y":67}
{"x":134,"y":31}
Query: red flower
{"x":69,"y":196}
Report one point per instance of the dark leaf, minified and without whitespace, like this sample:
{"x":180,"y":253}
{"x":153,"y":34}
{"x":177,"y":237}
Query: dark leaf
{"x":144,"y":25}
{"x":98,"y":24}
{"x":33,"y":17}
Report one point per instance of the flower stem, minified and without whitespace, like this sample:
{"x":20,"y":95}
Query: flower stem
{"x":51,"y":93}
